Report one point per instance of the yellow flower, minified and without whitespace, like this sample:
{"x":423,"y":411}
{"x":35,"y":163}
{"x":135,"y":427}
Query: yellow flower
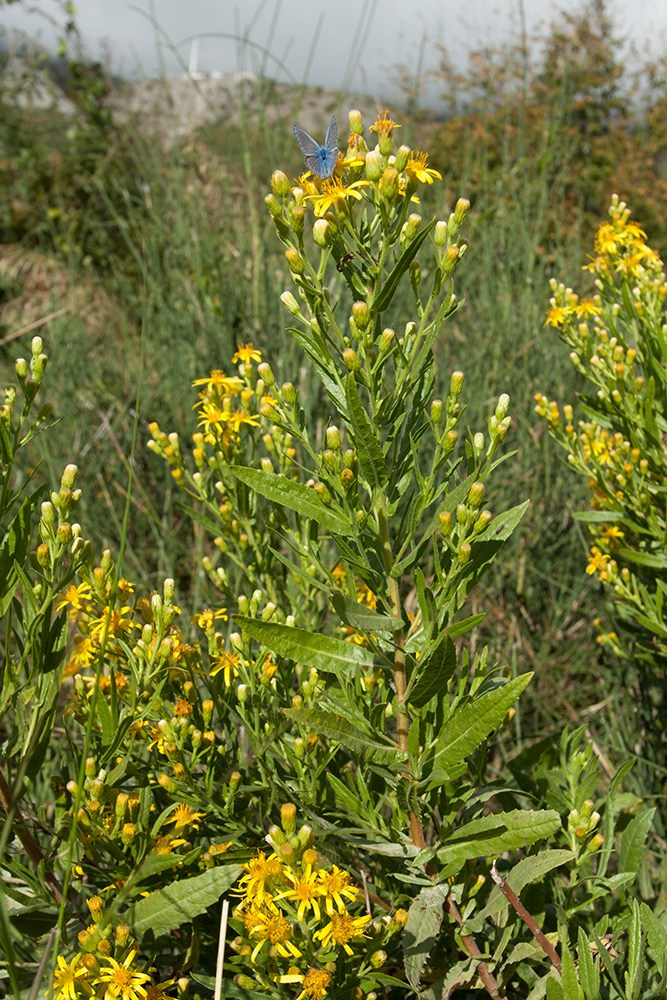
{"x":384,"y":125}
{"x":334,"y":191}
{"x":416,"y":167}
{"x":81,"y":656}
{"x":587,"y":307}
{"x":118,"y":624}
{"x":314,"y":985}
{"x":182,"y":707}
{"x":335,"y":885}
{"x":259,"y":871}
{"x":123,"y":981}
{"x":207,"y":617}
{"x":305,"y":892}
{"x":557,"y":315}
{"x":76,"y":597}
{"x":273,"y":927}
{"x":70,"y":979}
{"x":218,"y":382}
{"x":598,"y":562}
{"x":212,"y":417}
{"x":184,"y":816}
{"x":157,"y":991}
{"x":341,"y":929}
{"x":246,"y":353}
{"x":166,"y":843}
{"x":227,"y":662}
{"x":237,"y":418}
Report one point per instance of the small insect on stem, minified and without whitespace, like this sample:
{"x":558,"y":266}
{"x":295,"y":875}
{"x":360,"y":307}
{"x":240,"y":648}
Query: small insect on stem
{"x":344,"y":260}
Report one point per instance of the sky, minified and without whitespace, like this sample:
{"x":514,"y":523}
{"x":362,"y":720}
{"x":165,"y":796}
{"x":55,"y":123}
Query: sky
{"x":356,"y":44}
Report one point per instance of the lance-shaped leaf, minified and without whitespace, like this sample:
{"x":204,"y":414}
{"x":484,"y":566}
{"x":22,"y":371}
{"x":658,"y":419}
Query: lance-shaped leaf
{"x":492,"y":835}
{"x":359,"y":616}
{"x":421,"y":930}
{"x":433,"y":674}
{"x":386,"y":293}
{"x":336,"y":727}
{"x":333,"y":656}
{"x":179,"y":902}
{"x":372,"y":462}
{"x":294,"y":496}
{"x":470,"y":725}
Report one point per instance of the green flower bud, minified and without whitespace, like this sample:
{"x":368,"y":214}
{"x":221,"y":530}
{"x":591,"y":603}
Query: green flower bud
{"x":386,"y":340}
{"x":440,"y":233}
{"x":378,"y":958}
{"x":290,"y":303}
{"x":352,"y":360}
{"x":361,"y":315}
{"x":461,"y":210}
{"x":373,"y":166}
{"x":502,"y":406}
{"x":280,"y":183}
{"x":356,"y":122}
{"x":295,"y":261}
{"x":266,"y":464}
{"x":333,"y":438}
{"x":449,"y":260}
{"x":322,"y":492}
{"x":43,"y":555}
{"x":461,"y":513}
{"x":476,"y":494}
{"x":464,"y":553}
{"x":445,"y":519}
{"x":436,"y":411}
{"x":483,"y":521}
{"x":412,"y":226}
{"x":389,"y":184}
{"x":69,"y":476}
{"x":299,"y":747}
{"x":288,"y":393}
{"x":402,"y":157}
{"x":322,"y":233}
{"x":273,"y":206}
{"x":64,"y":533}
{"x":242,"y":693}
{"x":288,"y":818}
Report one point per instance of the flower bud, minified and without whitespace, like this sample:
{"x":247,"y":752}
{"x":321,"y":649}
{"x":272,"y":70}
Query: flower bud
{"x":445,"y":519}
{"x":402,"y":157}
{"x":242,"y":693}
{"x":322,"y":233}
{"x":456,"y":383}
{"x":386,"y":340}
{"x":436,"y":411}
{"x":461,"y":210}
{"x":483,"y":521}
{"x":464,"y":553}
{"x":476,"y":494}
{"x":333,"y":438}
{"x":415,"y":273}
{"x":502,"y":406}
{"x":440,"y":233}
{"x":288,"y":393}
{"x":389,"y":183}
{"x":378,"y":958}
{"x":478,"y":443}
{"x":352,"y":360}
{"x":412,"y":226}
{"x":361,"y":315}
{"x":290,"y":303}
{"x":356,"y":122}
{"x":295,"y":261}
{"x":273,"y":206}
{"x":373,"y":169}
{"x":288,"y":818}
{"x":280,"y":183}
{"x":449,"y":260}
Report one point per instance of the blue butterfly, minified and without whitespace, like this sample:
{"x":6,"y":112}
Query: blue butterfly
{"x":321,"y":160}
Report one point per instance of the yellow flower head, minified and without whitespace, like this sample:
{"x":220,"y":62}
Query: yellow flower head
{"x":259,"y":871}
{"x":384,"y":126}
{"x":416,"y":167}
{"x":76,"y":597}
{"x":334,"y":885}
{"x":229,"y":663}
{"x":246,"y":353}
{"x":71,"y":979}
{"x":207,"y":617}
{"x":122,"y":981}
{"x":334,"y":195}
{"x":221,"y":384}
{"x":184,"y":816}
{"x":314,"y":985}
{"x":340,"y":931}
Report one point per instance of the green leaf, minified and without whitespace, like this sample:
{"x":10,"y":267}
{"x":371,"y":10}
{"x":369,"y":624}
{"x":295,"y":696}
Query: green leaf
{"x":179,"y":902}
{"x":421,"y":930}
{"x":650,"y":559}
{"x":105,"y":719}
{"x":294,"y":496}
{"x":337,"y":727}
{"x":589,"y":973}
{"x":386,"y":294}
{"x":455,"y":629}
{"x":433,"y":675}
{"x":657,"y":936}
{"x":633,"y":976}
{"x":14,"y":548}
{"x":359,"y":616}
{"x":494,"y":834}
{"x":470,"y":725}
{"x":371,"y":459}
{"x":633,"y":840}
{"x":333,"y":656}
{"x":568,"y":974}
{"x":229,"y":988}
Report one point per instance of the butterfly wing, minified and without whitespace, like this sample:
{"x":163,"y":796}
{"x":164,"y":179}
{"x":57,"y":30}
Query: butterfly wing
{"x":331,"y":141}
{"x":307,"y":144}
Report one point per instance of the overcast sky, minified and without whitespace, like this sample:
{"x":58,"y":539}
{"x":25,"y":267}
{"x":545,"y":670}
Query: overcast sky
{"x":352,"y":43}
